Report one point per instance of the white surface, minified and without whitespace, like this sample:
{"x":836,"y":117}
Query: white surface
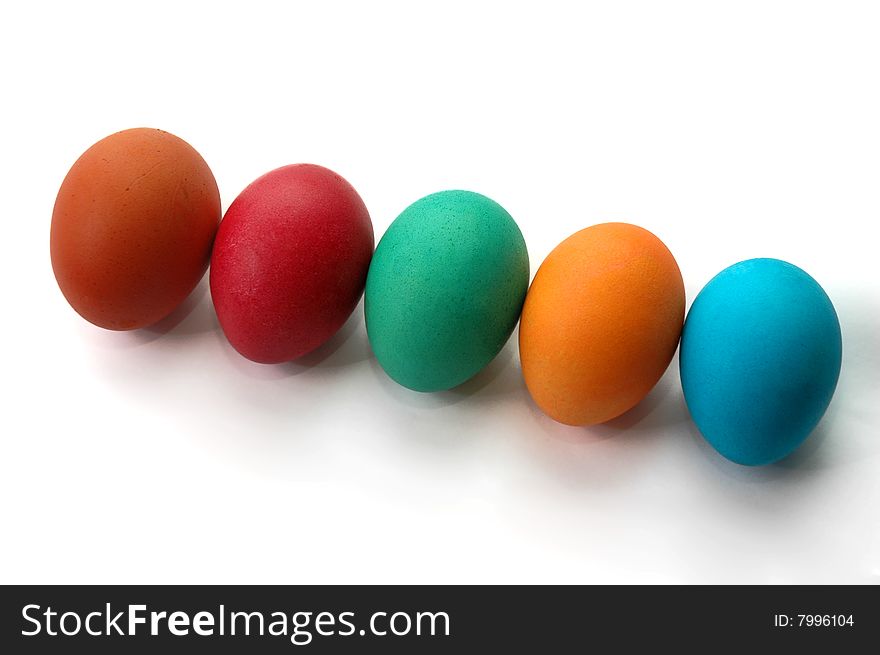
{"x":731,"y":130}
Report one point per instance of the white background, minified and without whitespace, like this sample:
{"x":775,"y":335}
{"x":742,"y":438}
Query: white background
{"x":731,"y":130}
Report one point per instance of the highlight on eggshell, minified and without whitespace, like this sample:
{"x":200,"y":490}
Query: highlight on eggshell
{"x":601,"y":323}
{"x":132,"y":228}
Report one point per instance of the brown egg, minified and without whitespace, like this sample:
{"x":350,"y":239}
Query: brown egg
{"x":132,"y":228}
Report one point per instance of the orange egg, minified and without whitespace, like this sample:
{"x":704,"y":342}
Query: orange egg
{"x":601,"y":322}
{"x":132,"y":228}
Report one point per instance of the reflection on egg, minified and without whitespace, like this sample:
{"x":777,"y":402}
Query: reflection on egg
{"x":760,"y":358}
{"x":132,"y":228}
{"x":445,"y":289}
{"x":601,"y":323}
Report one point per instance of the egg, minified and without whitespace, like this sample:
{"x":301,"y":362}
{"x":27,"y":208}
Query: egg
{"x":601,"y":322}
{"x":445,"y":289}
{"x":132,"y":228}
{"x":290,"y":262}
{"x":760,"y":358}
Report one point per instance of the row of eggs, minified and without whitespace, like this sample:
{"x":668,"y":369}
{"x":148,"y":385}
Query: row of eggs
{"x":137,"y":222}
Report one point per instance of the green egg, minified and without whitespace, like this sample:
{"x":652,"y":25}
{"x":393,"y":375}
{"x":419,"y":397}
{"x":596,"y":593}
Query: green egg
{"x":445,"y":289}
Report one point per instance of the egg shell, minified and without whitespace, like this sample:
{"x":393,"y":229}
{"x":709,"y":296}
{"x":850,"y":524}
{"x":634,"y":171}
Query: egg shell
{"x":445,"y":289}
{"x":601,"y":323}
{"x":132,"y":228}
{"x":760,"y":358}
{"x":290,"y":262}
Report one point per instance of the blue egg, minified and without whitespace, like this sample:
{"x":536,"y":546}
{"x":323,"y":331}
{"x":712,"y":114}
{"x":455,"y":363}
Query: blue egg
{"x":760,"y":357}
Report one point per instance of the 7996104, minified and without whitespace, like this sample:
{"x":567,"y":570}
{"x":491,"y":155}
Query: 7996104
{"x":813,"y":620}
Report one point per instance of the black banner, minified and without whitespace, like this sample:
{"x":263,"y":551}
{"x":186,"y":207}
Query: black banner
{"x":418,"y":619}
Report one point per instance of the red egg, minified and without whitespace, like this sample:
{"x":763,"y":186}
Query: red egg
{"x":290,"y":261}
